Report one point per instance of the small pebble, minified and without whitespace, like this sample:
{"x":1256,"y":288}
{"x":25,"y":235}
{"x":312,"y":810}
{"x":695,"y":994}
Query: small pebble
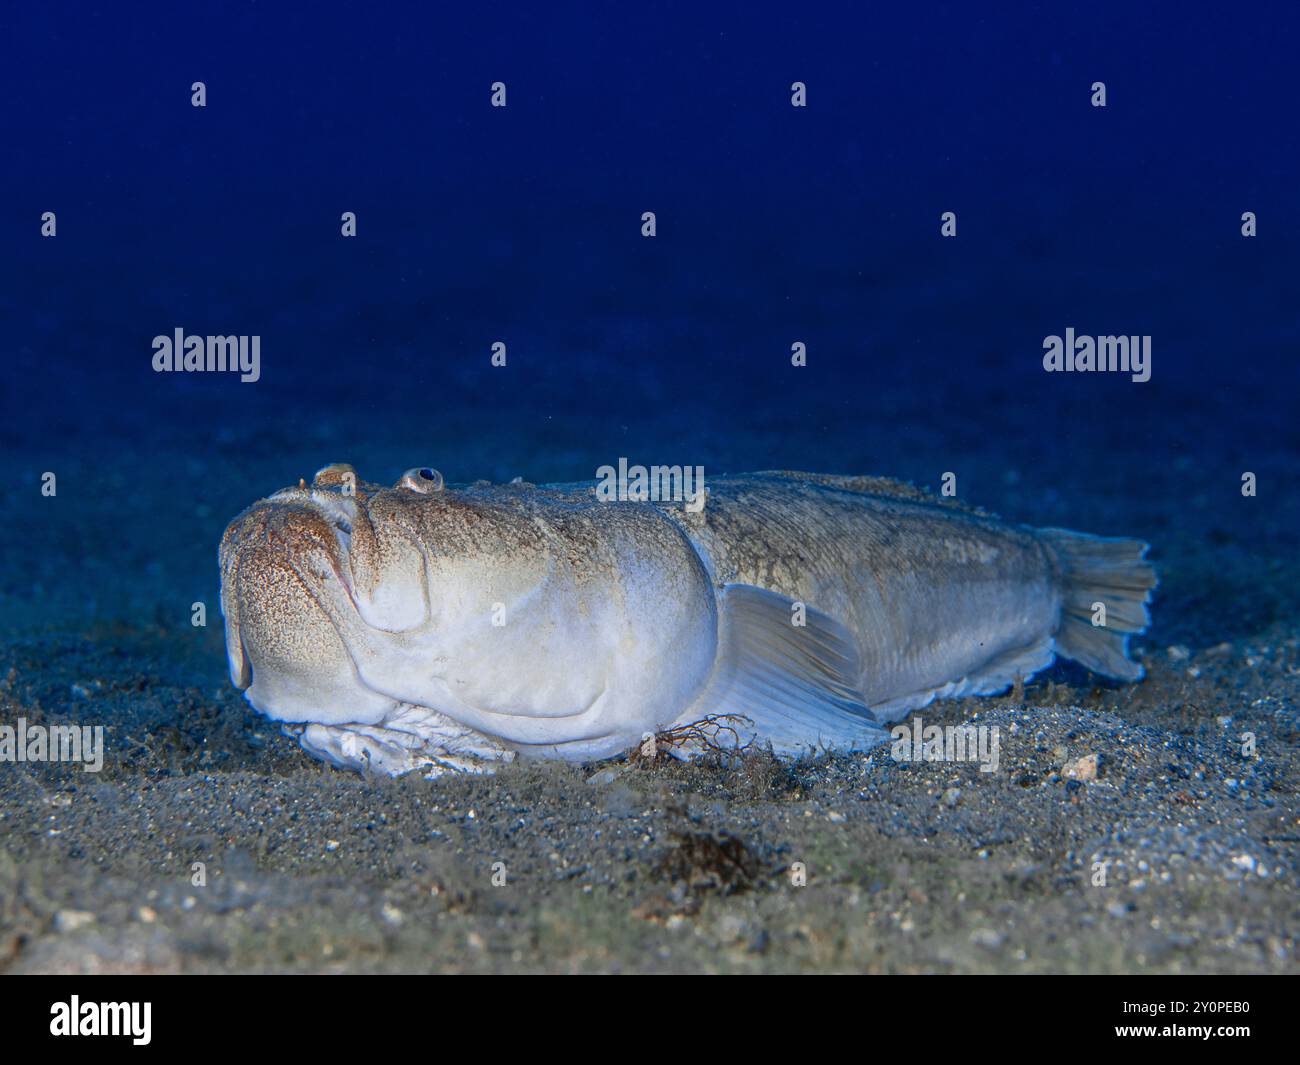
{"x":1083,"y":769}
{"x":71,"y":920}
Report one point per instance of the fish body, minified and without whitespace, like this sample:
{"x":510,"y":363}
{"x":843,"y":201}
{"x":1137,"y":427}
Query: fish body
{"x":448,"y":628}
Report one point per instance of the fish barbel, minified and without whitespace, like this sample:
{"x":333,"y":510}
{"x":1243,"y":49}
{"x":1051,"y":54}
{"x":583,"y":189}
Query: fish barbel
{"x":442,"y":628}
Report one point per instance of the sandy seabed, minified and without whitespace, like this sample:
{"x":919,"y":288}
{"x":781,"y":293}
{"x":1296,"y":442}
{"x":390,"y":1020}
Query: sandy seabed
{"x":658,"y":866}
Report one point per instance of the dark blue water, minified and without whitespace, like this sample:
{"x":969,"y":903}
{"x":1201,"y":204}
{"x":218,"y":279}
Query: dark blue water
{"x":522,"y":225}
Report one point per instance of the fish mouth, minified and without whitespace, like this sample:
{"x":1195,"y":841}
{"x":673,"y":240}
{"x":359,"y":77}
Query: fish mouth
{"x":304,"y":530}
{"x":339,"y":512}
{"x":313,"y":594}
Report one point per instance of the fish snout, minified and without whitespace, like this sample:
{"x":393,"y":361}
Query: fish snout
{"x":286,"y":597}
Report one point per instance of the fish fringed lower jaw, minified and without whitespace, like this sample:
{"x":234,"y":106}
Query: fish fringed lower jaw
{"x":428,"y":743}
{"x":415,"y":739}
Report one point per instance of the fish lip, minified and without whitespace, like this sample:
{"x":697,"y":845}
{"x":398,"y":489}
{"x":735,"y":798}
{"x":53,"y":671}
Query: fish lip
{"x":341,"y":562}
{"x":345,"y":581}
{"x":245,"y":679}
{"x":340,"y":512}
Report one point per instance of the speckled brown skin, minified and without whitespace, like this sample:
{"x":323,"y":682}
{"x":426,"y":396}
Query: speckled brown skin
{"x":343,"y":604}
{"x":932,"y":589}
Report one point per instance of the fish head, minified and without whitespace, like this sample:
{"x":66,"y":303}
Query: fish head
{"x":534,"y":620}
{"x":286,"y":578}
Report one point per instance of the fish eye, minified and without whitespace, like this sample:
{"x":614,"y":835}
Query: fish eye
{"x":422,"y":479}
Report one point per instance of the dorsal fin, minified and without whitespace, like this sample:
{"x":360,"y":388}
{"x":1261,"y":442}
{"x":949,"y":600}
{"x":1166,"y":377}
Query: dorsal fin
{"x":876,"y":486}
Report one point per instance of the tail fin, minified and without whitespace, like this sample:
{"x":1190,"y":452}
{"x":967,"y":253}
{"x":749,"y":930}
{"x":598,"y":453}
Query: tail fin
{"x":1107,"y":571}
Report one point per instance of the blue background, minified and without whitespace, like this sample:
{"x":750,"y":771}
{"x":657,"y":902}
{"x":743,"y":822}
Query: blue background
{"x":522,"y":224}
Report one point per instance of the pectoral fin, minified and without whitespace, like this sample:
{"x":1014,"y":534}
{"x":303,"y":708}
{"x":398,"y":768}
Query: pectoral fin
{"x":797,"y":683}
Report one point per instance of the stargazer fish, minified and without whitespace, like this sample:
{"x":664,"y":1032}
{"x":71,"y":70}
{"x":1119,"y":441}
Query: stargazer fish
{"x":440,"y":628}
